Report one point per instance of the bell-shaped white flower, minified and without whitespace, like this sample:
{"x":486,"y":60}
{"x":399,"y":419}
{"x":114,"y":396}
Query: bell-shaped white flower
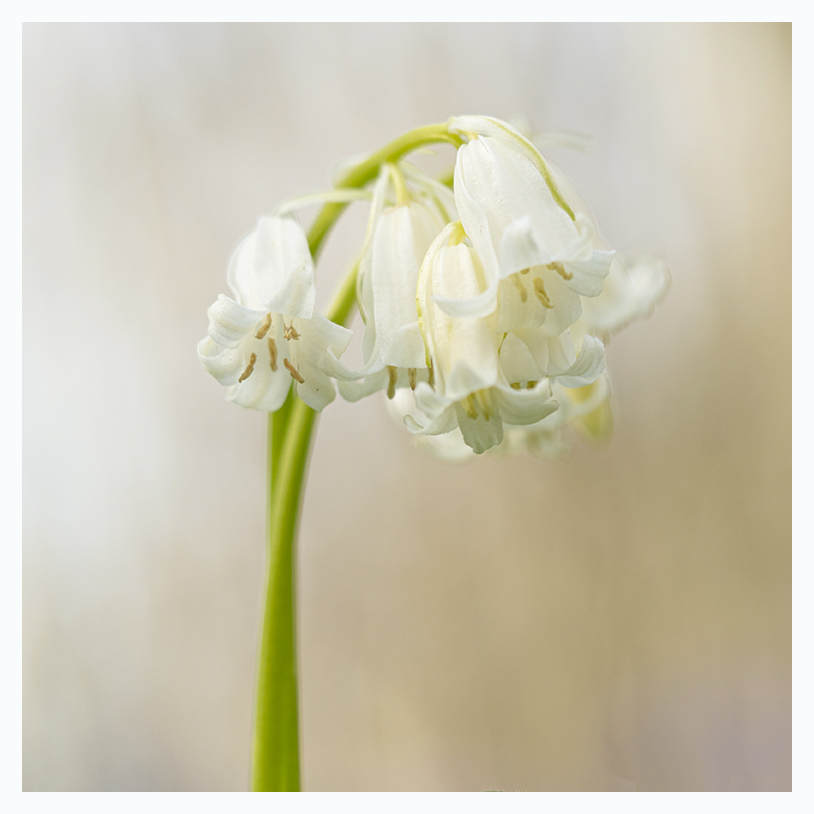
{"x":269,"y":335}
{"x":513,"y":212}
{"x":403,"y":235}
{"x":403,"y":223}
{"x":585,"y":409}
{"x":469,"y":389}
{"x":551,"y":296}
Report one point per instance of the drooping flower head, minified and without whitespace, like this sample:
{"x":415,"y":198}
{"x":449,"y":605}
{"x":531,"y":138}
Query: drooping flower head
{"x":268,"y":336}
{"x":485,"y":306}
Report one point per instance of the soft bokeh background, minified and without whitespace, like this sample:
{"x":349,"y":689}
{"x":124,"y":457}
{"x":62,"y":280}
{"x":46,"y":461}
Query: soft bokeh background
{"x":619,"y":620}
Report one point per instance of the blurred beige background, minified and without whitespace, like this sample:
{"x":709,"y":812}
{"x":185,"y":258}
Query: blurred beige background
{"x":620,"y":619}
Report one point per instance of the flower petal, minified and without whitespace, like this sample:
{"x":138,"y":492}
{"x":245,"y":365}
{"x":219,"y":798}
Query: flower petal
{"x":430,"y":401}
{"x":355,"y":390}
{"x":524,"y":225}
{"x":230,"y":322}
{"x":224,"y":365}
{"x":272,"y":268}
{"x":632,"y":290}
{"x":464,"y":351}
{"x":403,"y":235}
{"x":525,"y":406}
{"x":588,"y":367}
{"x":284,"y":267}
{"x":516,"y":361}
{"x":588,"y":277}
{"x":317,"y":390}
{"x":320,"y":344}
{"x":443,"y":423}
{"x":479,"y":433}
{"x":566,"y":305}
{"x":553,"y":355}
{"x":263,"y":389}
{"x":478,"y":304}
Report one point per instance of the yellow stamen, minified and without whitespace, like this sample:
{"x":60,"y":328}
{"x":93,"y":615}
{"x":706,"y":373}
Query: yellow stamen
{"x":264,"y":327}
{"x":560,"y":269}
{"x":431,"y":377}
{"x":290,"y":332}
{"x":470,"y":407}
{"x":525,"y":271}
{"x":521,"y":289}
{"x":273,"y":354}
{"x":392,"y":375}
{"x":249,"y":368}
{"x":484,"y":399}
{"x":539,"y":290}
{"x":531,"y":385}
{"x":295,"y":374}
{"x":515,"y":385}
{"x":411,"y":373}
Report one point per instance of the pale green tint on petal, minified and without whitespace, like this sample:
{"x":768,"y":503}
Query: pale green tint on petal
{"x":632,"y":290}
{"x":524,"y":226}
{"x":506,"y":133}
{"x":516,"y":361}
{"x":463,"y":350}
{"x":566,"y":305}
{"x":481,"y":304}
{"x":224,"y":365}
{"x":433,"y":194}
{"x":518,"y":307}
{"x":588,"y":367}
{"x":576,"y":402}
{"x":230,"y":322}
{"x":403,"y":235}
{"x":553,"y":355}
{"x":578,"y":204}
{"x":371,"y":358}
{"x":479,"y":433}
{"x":525,"y":406}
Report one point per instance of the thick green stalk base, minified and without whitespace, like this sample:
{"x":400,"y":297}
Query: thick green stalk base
{"x":275,"y":754}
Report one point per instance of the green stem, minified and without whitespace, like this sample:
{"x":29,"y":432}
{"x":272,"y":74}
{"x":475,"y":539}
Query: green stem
{"x":275,"y":759}
{"x":365,"y":171}
{"x":275,"y":753}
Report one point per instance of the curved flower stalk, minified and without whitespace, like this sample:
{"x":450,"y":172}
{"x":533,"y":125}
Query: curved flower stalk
{"x":485,"y":308}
